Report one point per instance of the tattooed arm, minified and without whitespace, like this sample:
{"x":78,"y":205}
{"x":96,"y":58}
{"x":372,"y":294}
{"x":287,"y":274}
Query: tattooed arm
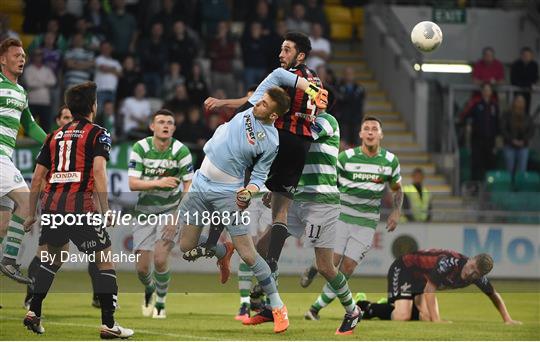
{"x":397,"y":202}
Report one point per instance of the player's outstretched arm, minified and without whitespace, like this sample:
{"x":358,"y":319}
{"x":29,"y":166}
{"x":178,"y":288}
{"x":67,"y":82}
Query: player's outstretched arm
{"x":497,"y":300}
{"x":38,"y":179}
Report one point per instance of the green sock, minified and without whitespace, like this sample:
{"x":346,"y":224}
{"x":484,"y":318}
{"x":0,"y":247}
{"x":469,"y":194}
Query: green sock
{"x":340,"y":286}
{"x":14,"y":237}
{"x":148,"y":282}
{"x":162,"y":285}
{"x":326,"y":297}
{"x":244,"y":282}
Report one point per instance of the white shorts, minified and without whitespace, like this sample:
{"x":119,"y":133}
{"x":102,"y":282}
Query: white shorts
{"x":260,"y":217}
{"x":315,"y":221}
{"x":10,"y":177}
{"x":6,"y":204}
{"x":353,"y":241}
{"x":145,"y":236}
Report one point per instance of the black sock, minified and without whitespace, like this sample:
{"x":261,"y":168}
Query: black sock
{"x":44,"y":280}
{"x":93,"y":272}
{"x":381,"y":311}
{"x":33,"y":269}
{"x":107,"y":291}
{"x":278,"y":235}
{"x":213,"y":235}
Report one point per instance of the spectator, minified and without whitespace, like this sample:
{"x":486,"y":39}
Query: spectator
{"x":254,"y":55}
{"x":129,"y":78}
{"x":517,"y":129}
{"x":326,"y":75}
{"x":315,"y":14}
{"x":221,"y":51}
{"x":167,"y":17}
{"x":79,"y":63}
{"x":59,"y":41}
{"x":196,"y":86}
{"x":298,"y":22}
{"x":36,"y":16}
{"x":39,"y":79}
{"x":5,"y":31}
{"x":182,"y":48}
{"x":350,"y":107}
{"x":524,"y":73}
{"x":320,"y":47}
{"x":171,"y":80}
{"x":108,"y":70}
{"x":193,"y":129}
{"x":274,"y":41}
{"x":262,"y":16}
{"x":212,"y":13}
{"x":66,"y":20}
{"x":136,"y":112}
{"x":484,"y":114}
{"x":91,"y":41}
{"x":96,"y":18}
{"x":214,"y":121}
{"x":153,"y":57}
{"x":180,"y":101}
{"x":488,"y":69}
{"x":122,"y":29}
{"x":52,"y":55}
{"x":417,"y":199}
{"x":107,"y":118}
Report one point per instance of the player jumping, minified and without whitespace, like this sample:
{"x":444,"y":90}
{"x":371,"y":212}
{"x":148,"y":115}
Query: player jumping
{"x":414,"y":278}
{"x":72,"y":162}
{"x":14,"y":112}
{"x":248,"y":140}
{"x":157,"y":166}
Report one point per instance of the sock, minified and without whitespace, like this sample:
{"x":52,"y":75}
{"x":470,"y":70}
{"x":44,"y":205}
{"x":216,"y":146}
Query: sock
{"x":44,"y":279}
{"x":33,"y":270}
{"x":162,"y":281}
{"x":326,"y":297}
{"x":107,"y":291}
{"x":244,"y":282}
{"x":214,"y":234}
{"x":340,"y":286}
{"x":278,"y":235}
{"x":381,"y":311}
{"x":220,"y":250}
{"x":93,"y":272}
{"x":148,"y":281}
{"x":14,"y":237}
{"x":262,"y":272}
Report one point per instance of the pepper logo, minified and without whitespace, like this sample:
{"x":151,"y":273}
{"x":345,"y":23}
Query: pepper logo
{"x":250,"y":135}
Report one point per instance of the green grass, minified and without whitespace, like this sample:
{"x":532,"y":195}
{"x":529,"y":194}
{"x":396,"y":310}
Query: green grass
{"x":196,"y":311}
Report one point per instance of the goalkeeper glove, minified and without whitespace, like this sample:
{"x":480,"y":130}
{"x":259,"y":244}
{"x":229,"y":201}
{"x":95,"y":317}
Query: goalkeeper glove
{"x":318,"y":95}
{"x":243,"y":197}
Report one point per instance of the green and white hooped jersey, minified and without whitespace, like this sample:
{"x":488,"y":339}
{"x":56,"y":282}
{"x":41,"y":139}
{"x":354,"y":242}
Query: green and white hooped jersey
{"x":145,"y":162}
{"x":361,"y":183}
{"x":13,"y":109}
{"x":319,"y":177}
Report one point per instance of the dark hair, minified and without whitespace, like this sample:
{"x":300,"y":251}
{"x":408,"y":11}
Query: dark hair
{"x":60,"y":110}
{"x":252,"y":87}
{"x":488,"y":48}
{"x":372,"y":118}
{"x":162,"y":111}
{"x":7,"y":43}
{"x":526,"y":49}
{"x":302,"y":42}
{"x":81,"y":98}
{"x":281,"y":98}
{"x":484,"y":263}
{"x":418,"y":170}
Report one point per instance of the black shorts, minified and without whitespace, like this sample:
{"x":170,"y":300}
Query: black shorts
{"x":401,"y":282}
{"x":87,"y":238}
{"x":287,"y":168}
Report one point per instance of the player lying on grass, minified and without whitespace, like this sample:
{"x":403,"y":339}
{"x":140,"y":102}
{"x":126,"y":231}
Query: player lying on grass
{"x":248,"y":140}
{"x":161,"y":168}
{"x":414,"y":278}
{"x":14,"y":112}
{"x":73,"y":165}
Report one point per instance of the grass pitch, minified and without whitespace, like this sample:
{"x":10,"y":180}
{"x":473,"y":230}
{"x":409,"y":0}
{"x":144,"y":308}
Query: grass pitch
{"x":198,"y":308}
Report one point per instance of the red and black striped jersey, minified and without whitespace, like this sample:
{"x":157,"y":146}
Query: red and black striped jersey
{"x":443,"y":268}
{"x":303,"y":111}
{"x":69,"y":154}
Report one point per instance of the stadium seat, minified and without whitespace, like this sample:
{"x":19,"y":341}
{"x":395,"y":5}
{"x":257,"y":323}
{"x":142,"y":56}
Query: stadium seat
{"x":498,"y":181}
{"x":341,"y":31}
{"x":358,"y":15}
{"x":12,"y":6}
{"x":332,"y":2}
{"x":27,"y":39}
{"x":527,"y":182}
{"x":16,"y":22}
{"x":338,"y":14}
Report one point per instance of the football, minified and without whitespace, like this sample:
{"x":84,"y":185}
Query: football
{"x":426,"y":36}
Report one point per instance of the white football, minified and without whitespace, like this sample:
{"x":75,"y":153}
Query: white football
{"x":426,"y":36}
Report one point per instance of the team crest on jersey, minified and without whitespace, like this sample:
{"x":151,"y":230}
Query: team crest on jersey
{"x":261,"y":135}
{"x":18,"y":178}
{"x":250,"y":134}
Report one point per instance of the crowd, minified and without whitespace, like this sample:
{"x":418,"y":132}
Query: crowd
{"x":514,"y":126}
{"x":148,"y":54}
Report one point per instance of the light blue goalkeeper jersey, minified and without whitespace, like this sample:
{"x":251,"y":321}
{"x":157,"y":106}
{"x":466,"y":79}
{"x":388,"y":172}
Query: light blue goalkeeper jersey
{"x":277,"y":78}
{"x":241,"y":143}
